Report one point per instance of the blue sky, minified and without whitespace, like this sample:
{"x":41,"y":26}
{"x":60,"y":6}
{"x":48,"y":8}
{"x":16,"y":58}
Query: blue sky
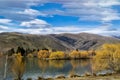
{"x":60,"y":16}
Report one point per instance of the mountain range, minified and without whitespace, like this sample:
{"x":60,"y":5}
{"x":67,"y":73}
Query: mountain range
{"x":66,"y":41}
{"x":118,"y":36}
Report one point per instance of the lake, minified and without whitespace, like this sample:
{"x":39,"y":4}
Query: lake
{"x":47,"y":68}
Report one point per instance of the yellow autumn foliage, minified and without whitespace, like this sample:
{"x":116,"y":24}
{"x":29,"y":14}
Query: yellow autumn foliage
{"x":84,"y":54}
{"x":57,"y":55}
{"x":30,"y":55}
{"x":43,"y":64}
{"x":108,"y":57}
{"x":57,"y":63}
{"x":18,"y":66}
{"x":74,"y":54}
{"x":43,"y":54}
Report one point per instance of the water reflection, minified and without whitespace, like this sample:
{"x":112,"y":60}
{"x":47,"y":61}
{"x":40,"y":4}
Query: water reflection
{"x":18,"y":67}
{"x":43,"y":64}
{"x":57,"y":63}
{"x":49,"y":68}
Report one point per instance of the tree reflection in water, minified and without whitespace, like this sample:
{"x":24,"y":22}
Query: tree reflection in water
{"x":18,"y":66}
{"x":57,"y":63}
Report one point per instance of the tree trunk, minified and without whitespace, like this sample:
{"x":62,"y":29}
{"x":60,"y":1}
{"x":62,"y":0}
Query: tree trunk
{"x":5,"y":71}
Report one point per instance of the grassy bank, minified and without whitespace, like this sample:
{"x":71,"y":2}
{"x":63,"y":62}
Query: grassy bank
{"x":109,"y":77}
{"x":76,"y":77}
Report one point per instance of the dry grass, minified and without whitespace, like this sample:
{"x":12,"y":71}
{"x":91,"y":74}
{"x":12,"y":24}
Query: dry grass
{"x":113,"y":77}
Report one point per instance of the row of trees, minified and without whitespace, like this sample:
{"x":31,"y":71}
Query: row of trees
{"x":21,"y":50}
{"x":45,"y":53}
{"x":75,"y":54}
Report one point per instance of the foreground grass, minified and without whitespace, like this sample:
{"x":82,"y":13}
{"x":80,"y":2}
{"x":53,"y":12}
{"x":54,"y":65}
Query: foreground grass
{"x":102,"y":77}
{"x":110,"y":77}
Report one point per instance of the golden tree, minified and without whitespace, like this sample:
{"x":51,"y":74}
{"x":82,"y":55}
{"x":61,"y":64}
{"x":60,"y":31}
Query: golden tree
{"x":57,"y":55}
{"x":74,"y":54}
{"x":43,"y":54}
{"x":84,"y":54}
{"x":18,"y":66}
{"x":108,"y":57}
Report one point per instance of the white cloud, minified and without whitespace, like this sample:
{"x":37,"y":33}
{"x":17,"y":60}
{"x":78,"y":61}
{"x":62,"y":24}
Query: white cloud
{"x":98,"y":10}
{"x":5,"y":21}
{"x":68,"y":29}
{"x":36,"y":31}
{"x":36,"y":23}
{"x":32,"y":12}
{"x":89,"y":10}
{"x":102,"y":30}
{"x":3,"y":27}
{"x":10,"y":8}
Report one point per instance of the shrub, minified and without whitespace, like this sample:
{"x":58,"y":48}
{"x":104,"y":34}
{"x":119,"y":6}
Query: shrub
{"x":57,"y":55}
{"x":43,"y":54}
{"x":74,"y":54}
{"x":84,"y":54}
{"x":30,"y":55}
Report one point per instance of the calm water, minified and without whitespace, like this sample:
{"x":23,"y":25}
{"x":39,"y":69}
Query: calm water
{"x":47,"y":68}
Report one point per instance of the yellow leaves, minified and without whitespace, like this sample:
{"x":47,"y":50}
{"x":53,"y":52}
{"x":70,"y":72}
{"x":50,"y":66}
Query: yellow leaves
{"x":43,"y":54}
{"x":43,"y":64}
{"x":108,"y":57}
{"x":57,"y":63}
{"x":57,"y":55}
{"x":79,"y":54}
{"x":84,"y":54}
{"x":107,"y":50}
{"x":75,"y":54}
{"x":18,"y":66}
{"x":30,"y":55}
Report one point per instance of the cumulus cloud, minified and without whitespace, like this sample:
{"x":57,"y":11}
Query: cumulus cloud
{"x":26,"y":18}
{"x":97,"y":10}
{"x":13,"y":9}
{"x":103,"y":30}
{"x":3,"y":27}
{"x":36,"y":23}
{"x":32,"y":12}
{"x":5,"y":21}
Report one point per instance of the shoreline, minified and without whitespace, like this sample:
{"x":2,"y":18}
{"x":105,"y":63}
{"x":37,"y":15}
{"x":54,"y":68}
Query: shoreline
{"x":87,"y":77}
{"x":112,"y":77}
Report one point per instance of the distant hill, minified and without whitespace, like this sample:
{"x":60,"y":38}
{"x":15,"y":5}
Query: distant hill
{"x":82,"y":41}
{"x":114,"y":36}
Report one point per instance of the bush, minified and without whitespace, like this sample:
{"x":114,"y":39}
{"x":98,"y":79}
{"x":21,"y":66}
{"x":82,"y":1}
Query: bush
{"x":43,"y":54}
{"x":74,"y":54}
{"x":57,"y":55}
{"x":84,"y":54}
{"x":30,"y":55}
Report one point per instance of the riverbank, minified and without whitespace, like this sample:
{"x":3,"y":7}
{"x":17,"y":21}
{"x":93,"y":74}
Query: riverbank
{"x":109,"y":77}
